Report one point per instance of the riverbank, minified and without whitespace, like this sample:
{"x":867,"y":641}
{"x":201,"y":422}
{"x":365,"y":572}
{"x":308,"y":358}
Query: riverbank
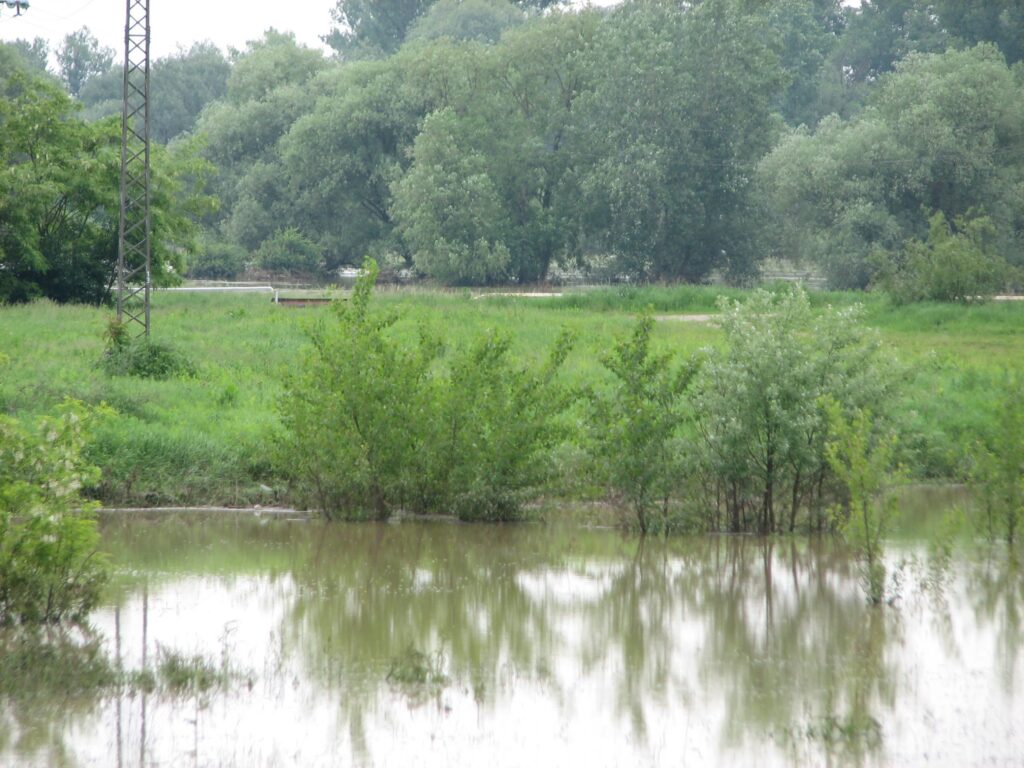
{"x":207,"y":438}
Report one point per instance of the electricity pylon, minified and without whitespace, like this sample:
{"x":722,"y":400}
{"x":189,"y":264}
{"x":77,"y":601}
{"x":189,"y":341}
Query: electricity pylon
{"x":134,"y":254}
{"x":17,"y":5}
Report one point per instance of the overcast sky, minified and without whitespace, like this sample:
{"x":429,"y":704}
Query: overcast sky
{"x":173,"y":22}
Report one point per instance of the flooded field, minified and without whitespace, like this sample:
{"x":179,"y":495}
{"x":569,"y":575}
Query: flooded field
{"x":456,"y":645}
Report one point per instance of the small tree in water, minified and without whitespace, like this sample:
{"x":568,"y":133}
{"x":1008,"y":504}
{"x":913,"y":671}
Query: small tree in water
{"x":635,"y":424}
{"x":758,"y":405}
{"x":50,"y":570}
{"x":999,"y":465}
{"x":861,"y":461}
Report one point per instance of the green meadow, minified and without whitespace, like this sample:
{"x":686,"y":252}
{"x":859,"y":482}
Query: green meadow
{"x":207,"y":438}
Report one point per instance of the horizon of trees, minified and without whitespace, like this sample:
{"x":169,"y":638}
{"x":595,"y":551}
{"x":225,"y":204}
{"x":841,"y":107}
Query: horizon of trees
{"x":483,"y":141}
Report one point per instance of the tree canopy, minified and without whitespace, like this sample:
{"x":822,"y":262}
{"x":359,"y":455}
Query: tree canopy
{"x":59,"y":195}
{"x":482,"y":141}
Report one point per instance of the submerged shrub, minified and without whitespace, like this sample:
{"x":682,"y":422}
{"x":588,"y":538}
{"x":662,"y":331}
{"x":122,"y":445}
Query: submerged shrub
{"x":372,"y":424}
{"x":761,"y":425}
{"x":635,"y":425}
{"x":998,"y":473}
{"x":351,"y":413}
{"x":50,"y":569}
{"x":493,"y":425}
{"x":862,"y":461}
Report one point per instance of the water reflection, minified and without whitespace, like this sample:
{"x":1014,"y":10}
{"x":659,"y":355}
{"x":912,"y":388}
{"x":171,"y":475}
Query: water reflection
{"x":559,"y":647}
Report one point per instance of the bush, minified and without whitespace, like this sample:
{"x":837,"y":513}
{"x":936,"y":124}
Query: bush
{"x":635,"y":426}
{"x":142,"y":357}
{"x":958,"y":264}
{"x":761,"y":425}
{"x":50,"y":570}
{"x":862,"y":461}
{"x":372,"y":425}
{"x":998,"y":472}
{"x":219,"y":261}
{"x":288,"y":250}
{"x":351,"y":414}
{"x":493,"y":425}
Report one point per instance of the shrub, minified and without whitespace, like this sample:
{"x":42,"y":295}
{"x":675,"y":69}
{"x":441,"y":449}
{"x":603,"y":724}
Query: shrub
{"x":759,"y":417}
{"x":998,"y":472}
{"x":142,"y":357}
{"x":861,"y":461}
{"x":495,"y":423}
{"x":954,"y":264}
{"x":634,"y":426}
{"x":372,"y":424}
{"x":288,"y":250}
{"x":218,"y":261}
{"x":352,"y":412}
{"x":50,"y":570}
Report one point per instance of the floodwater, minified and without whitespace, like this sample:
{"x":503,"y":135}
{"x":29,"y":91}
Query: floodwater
{"x":555,"y":647}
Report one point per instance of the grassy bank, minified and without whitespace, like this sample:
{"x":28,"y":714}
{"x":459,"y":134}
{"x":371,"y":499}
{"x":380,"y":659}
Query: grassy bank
{"x":205,"y":438}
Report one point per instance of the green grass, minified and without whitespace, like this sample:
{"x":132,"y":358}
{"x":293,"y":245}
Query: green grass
{"x":206,"y":438}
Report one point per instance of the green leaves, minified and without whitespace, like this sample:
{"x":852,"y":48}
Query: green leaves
{"x":758,"y":406}
{"x":667,"y":139}
{"x":59,"y":197}
{"x":49,"y":567}
{"x":961,"y":266}
{"x":862,"y":461}
{"x":373,"y":425}
{"x":635,"y":427}
{"x":938,"y":136}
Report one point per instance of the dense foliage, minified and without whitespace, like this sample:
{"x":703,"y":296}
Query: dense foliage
{"x":760,"y":407}
{"x":373,"y":425}
{"x":50,"y":569}
{"x":59,"y":195}
{"x":636,"y":427}
{"x":483,"y":142}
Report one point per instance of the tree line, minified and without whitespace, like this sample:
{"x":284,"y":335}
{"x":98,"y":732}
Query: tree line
{"x":481,"y":142}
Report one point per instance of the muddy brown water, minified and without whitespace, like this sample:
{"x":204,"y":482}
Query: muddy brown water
{"x":557,"y":648}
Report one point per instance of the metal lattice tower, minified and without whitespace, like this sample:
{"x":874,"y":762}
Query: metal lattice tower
{"x":134,"y":246}
{"x":17,"y":5}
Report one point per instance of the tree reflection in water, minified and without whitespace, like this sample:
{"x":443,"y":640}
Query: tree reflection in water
{"x":635,"y":651}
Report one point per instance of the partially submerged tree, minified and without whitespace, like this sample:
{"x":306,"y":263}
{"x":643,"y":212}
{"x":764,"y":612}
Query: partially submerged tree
{"x":998,"y":472}
{"x":636,"y":425}
{"x":759,"y":411}
{"x":50,"y":566}
{"x":863,"y":463}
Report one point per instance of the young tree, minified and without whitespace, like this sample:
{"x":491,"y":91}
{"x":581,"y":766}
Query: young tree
{"x":758,"y":405}
{"x":50,"y":566}
{"x":862,"y":461}
{"x":635,"y":427}
{"x":999,"y":463}
{"x":80,"y":57}
{"x":351,"y":412}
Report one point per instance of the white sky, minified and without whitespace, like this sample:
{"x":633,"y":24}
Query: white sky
{"x":173,"y":22}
